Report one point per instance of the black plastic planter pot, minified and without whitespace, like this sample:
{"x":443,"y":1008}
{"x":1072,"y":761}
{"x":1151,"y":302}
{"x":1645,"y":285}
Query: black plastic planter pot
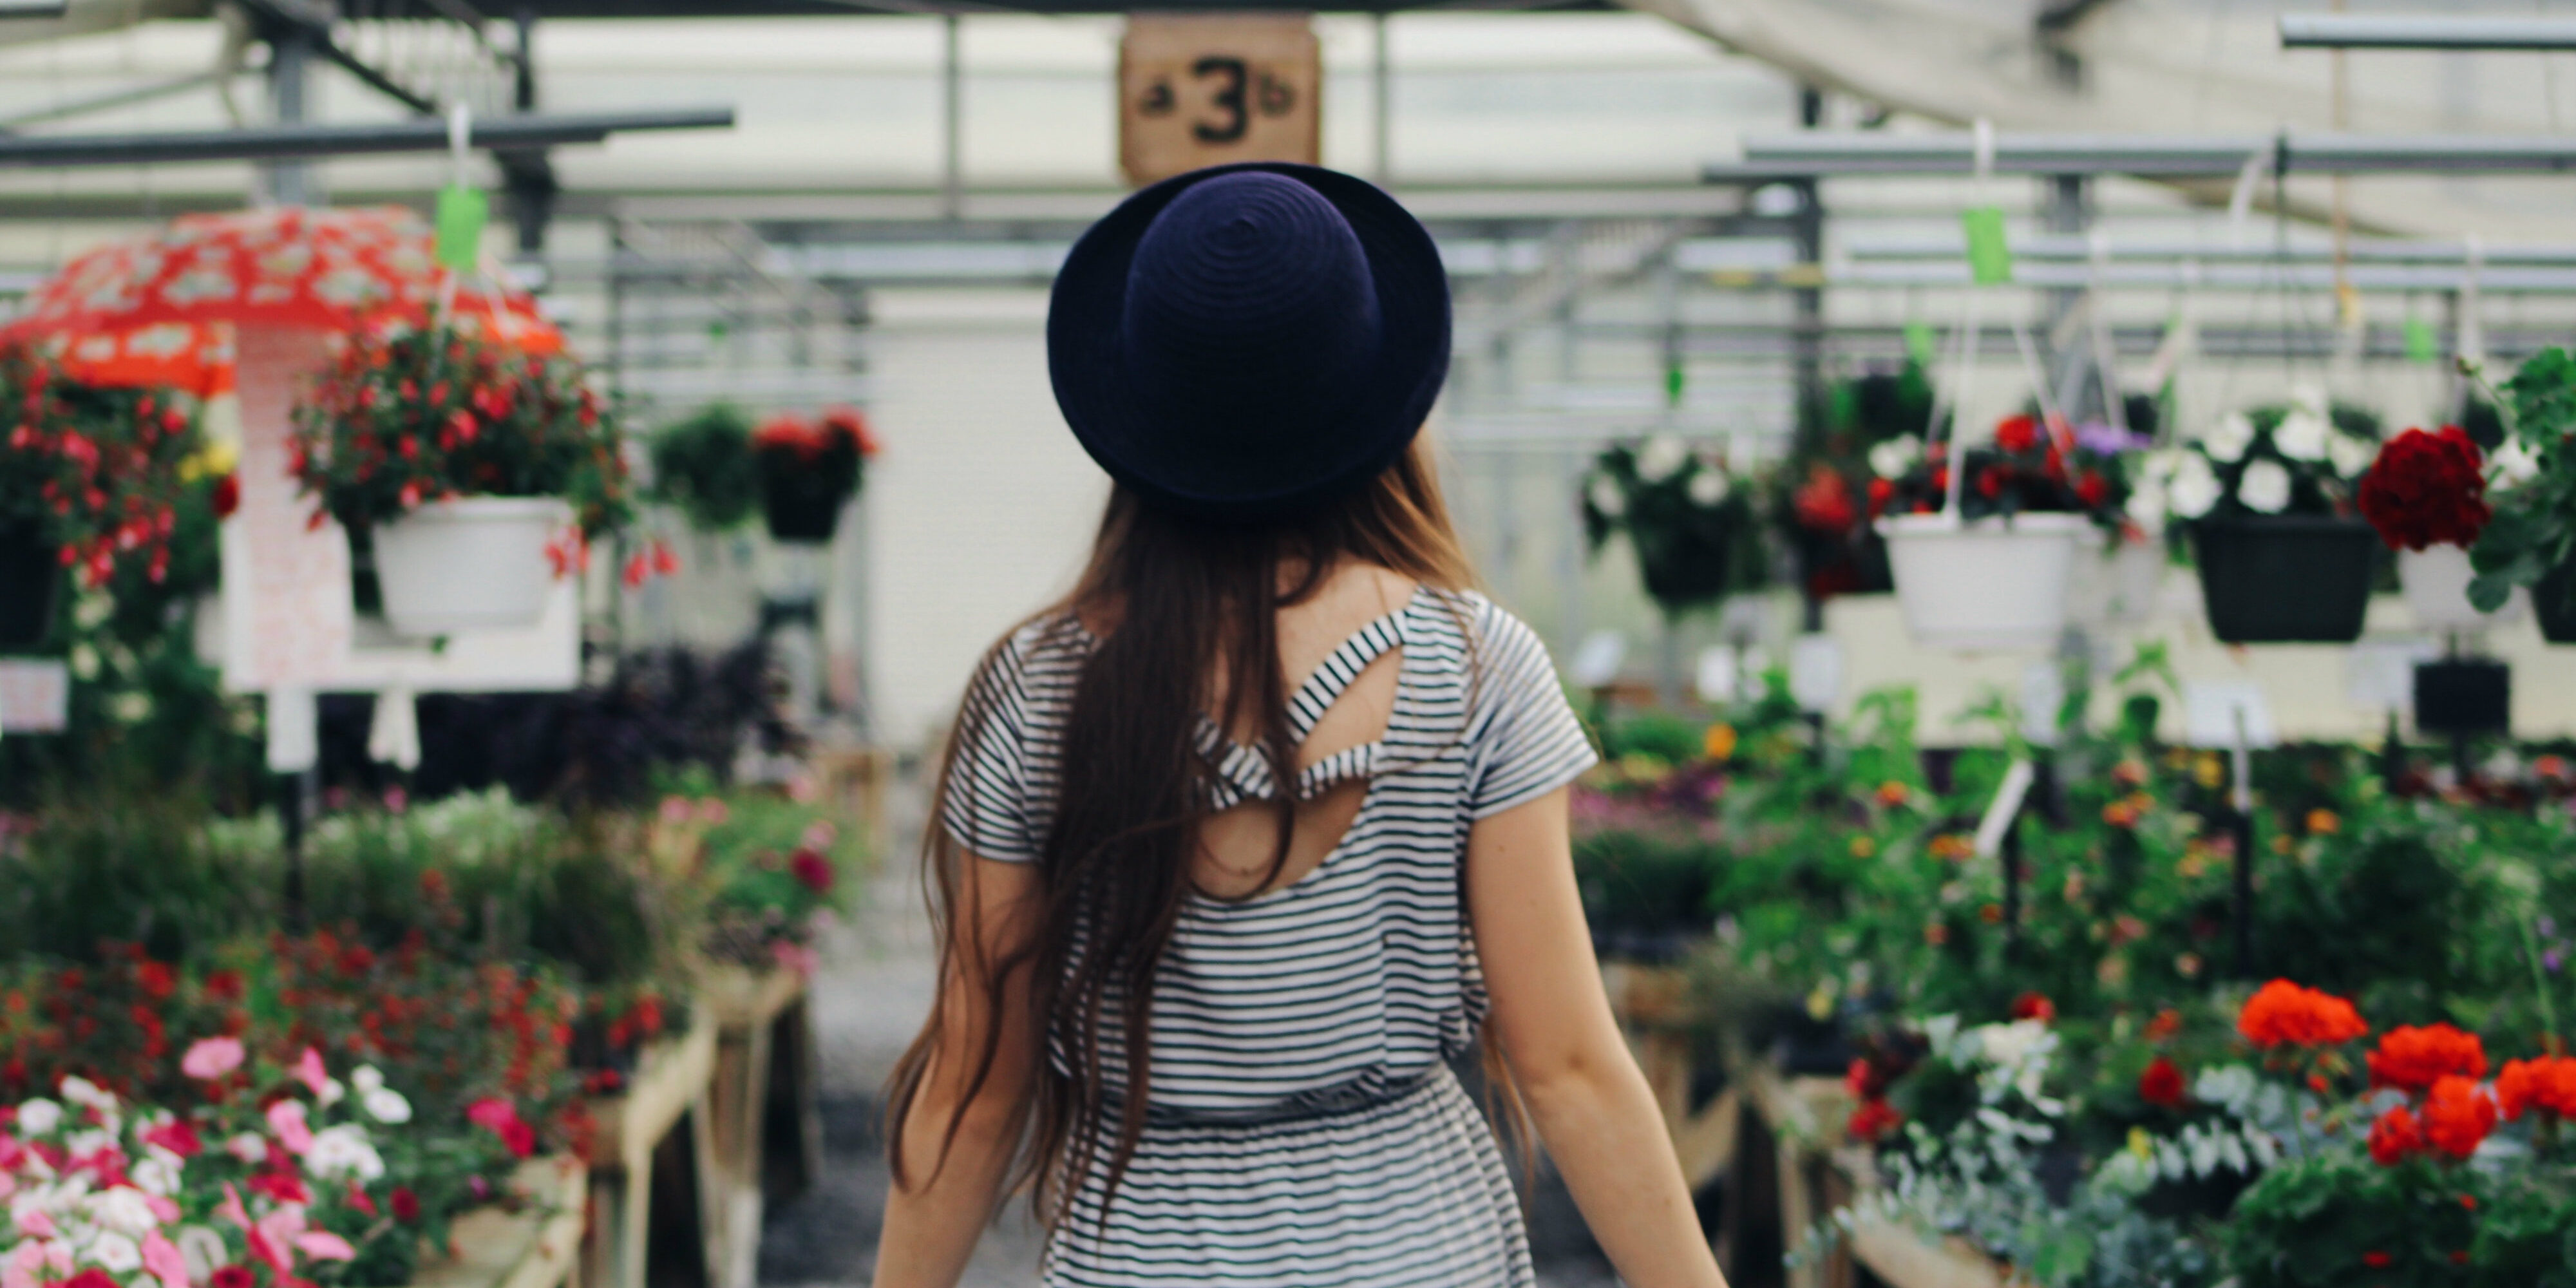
{"x":1684,"y":570}
{"x":2286,"y":580}
{"x":2553,"y":601}
{"x":30,"y":575}
{"x":798,"y":511}
{"x":2461,"y":697}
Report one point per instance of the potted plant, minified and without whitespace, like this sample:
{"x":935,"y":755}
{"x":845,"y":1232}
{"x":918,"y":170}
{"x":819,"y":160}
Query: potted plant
{"x":704,"y":465}
{"x":2425,"y":494}
{"x":1995,"y":571}
{"x":2268,"y":495}
{"x":2531,"y":540}
{"x":809,"y":469}
{"x":1686,"y":517}
{"x":89,"y":481}
{"x":478,"y":473}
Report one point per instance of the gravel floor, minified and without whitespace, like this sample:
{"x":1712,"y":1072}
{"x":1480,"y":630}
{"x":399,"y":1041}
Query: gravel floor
{"x":869,"y":997}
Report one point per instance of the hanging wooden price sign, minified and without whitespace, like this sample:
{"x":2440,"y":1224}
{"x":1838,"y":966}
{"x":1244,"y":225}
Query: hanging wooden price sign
{"x":1206,"y":89}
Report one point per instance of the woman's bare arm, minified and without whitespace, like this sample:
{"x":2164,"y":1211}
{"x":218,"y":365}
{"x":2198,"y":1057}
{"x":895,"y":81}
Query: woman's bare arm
{"x":932,"y":1225}
{"x":1591,"y":1106}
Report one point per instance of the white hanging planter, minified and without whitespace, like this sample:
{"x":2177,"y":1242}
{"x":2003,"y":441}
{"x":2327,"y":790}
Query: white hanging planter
{"x":2436,"y":582}
{"x":1989,"y":584}
{"x":476,"y":563}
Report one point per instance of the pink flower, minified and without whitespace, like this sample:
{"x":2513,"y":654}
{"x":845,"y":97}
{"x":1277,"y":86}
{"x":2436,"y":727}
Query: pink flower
{"x":34,"y":1224}
{"x":309,"y":1071}
{"x":322,"y":1245}
{"x":231,"y":1208}
{"x":491,"y":1113}
{"x":164,"y":1260}
{"x":712,"y":812}
{"x":675,"y":809}
{"x":211,"y":1058}
{"x":796,"y":957}
{"x":286,"y":1118}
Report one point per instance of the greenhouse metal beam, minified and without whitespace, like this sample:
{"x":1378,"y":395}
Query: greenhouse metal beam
{"x":2425,"y":31}
{"x":289,"y":141}
{"x":1819,"y":154}
{"x":2176,"y":250}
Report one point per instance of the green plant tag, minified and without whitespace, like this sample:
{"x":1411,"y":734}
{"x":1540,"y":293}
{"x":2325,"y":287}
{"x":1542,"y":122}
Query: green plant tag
{"x":1675,"y":380}
{"x":2421,"y":344}
{"x":1920,"y":344}
{"x":1989,"y":257}
{"x":462,"y":212}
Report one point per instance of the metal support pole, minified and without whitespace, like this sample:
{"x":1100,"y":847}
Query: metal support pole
{"x":2066,"y":210}
{"x":290,"y":62}
{"x":1382,"y":99}
{"x":952,"y":117}
{"x":531,"y":175}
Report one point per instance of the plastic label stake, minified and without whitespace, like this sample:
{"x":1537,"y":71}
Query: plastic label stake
{"x":462,"y":212}
{"x":2421,"y":344}
{"x":2005,"y":807}
{"x":1921,"y":345}
{"x":1989,"y":255}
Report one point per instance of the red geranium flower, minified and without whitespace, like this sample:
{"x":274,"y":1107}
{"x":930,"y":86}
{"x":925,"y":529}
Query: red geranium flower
{"x":2457,"y":1115}
{"x":811,"y":869}
{"x":1824,"y":503}
{"x":1874,"y":1119}
{"x":2427,"y":489}
{"x":2412,"y":1059}
{"x":2377,"y":1260}
{"x":2034,"y":1006}
{"x":2283,"y":1014}
{"x":2162,"y":1085}
{"x":2395,"y":1137}
{"x":2017,"y":433}
{"x":406,"y":1205}
{"x":2546,"y":1083}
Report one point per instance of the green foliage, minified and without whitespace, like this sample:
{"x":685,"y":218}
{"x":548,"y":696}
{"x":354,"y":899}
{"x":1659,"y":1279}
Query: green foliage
{"x":704,"y":465}
{"x":2533,"y":533}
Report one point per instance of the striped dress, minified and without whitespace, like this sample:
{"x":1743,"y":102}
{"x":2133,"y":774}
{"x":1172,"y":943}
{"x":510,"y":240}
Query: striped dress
{"x":1304,"y":1126}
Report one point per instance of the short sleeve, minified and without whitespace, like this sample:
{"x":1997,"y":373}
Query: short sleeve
{"x":987,"y":806}
{"x":1529,"y":742}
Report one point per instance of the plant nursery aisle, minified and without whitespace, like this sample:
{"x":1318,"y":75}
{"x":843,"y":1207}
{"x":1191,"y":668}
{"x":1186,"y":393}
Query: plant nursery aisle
{"x":870,"y":991}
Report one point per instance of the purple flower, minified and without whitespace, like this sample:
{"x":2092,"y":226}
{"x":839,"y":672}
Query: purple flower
{"x":2553,"y":960}
{"x":2109,"y":440}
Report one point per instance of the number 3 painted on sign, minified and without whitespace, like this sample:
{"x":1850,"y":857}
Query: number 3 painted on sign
{"x":1228,"y":99}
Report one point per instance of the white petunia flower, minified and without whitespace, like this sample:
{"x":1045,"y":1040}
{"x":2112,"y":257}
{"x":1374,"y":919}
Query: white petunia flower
{"x":38,"y":1117}
{"x":1708,"y":486}
{"x":1606,"y":497}
{"x":2309,"y":398}
{"x":2227,"y":440}
{"x":2351,"y":456}
{"x":158,"y":1175}
{"x":1661,"y":458}
{"x":2264,"y":487}
{"x":343,"y":1151}
{"x":2194,"y":490}
{"x":2303,"y":435}
{"x":330,"y":1093}
{"x":1893,"y":458}
{"x":83,"y":1092}
{"x":247,"y":1147}
{"x":366,"y":1078}
{"x":115,"y":1253}
{"x":123,"y":1209}
{"x":2513,"y":465}
{"x":386,"y":1105}
{"x":2146,"y":506}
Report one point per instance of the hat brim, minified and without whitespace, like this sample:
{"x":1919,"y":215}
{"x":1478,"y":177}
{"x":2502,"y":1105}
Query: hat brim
{"x":1384,"y":410}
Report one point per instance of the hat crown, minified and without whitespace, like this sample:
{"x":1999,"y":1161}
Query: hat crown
{"x":1250,"y":307}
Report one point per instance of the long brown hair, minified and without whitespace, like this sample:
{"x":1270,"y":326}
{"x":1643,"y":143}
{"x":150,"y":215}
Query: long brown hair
{"x":1186,"y":612}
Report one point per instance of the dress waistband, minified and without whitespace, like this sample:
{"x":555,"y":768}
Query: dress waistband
{"x":1359,"y":1095}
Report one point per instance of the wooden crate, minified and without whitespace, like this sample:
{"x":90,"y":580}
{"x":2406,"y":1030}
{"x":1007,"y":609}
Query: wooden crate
{"x":654,"y":1212}
{"x":764,"y":1106}
{"x":538,"y":1246}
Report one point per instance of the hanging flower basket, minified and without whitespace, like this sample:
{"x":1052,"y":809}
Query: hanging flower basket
{"x":809,"y":470}
{"x":477,"y":563}
{"x":1682,"y":511}
{"x":2553,"y":601}
{"x":30,"y":573}
{"x":479,"y":473}
{"x":1992,"y":583}
{"x":2286,"y":579}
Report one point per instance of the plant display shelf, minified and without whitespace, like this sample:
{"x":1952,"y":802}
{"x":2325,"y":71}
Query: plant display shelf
{"x":1814,"y":1172}
{"x":855,"y":780}
{"x":536,"y":1247}
{"x":764,"y":1106}
{"x":653,"y":1201}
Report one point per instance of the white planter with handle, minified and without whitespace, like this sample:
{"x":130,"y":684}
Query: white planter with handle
{"x":2436,"y":583}
{"x":1987,"y":585}
{"x":476,"y":563}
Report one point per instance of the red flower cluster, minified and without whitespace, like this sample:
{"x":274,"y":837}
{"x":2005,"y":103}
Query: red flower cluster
{"x":810,"y":439}
{"x":1823,"y":503}
{"x":2283,"y":1014}
{"x":2548,"y":1083}
{"x":2162,"y":1085}
{"x":99,"y":470}
{"x":1873,"y":1121}
{"x":2458,"y":1113}
{"x":2034,"y":1006}
{"x":2413,"y":1059}
{"x":2426,"y":489}
{"x":811,"y":869}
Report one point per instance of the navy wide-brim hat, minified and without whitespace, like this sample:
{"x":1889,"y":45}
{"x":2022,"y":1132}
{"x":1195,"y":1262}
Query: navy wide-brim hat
{"x":1244,"y":342}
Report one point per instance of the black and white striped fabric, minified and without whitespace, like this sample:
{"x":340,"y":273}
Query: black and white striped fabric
{"x":1304,"y":1127}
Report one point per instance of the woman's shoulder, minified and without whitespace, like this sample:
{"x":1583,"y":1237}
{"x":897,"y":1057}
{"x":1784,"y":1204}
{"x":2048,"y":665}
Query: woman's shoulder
{"x":1489,"y":627}
{"x":1035,"y":664}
